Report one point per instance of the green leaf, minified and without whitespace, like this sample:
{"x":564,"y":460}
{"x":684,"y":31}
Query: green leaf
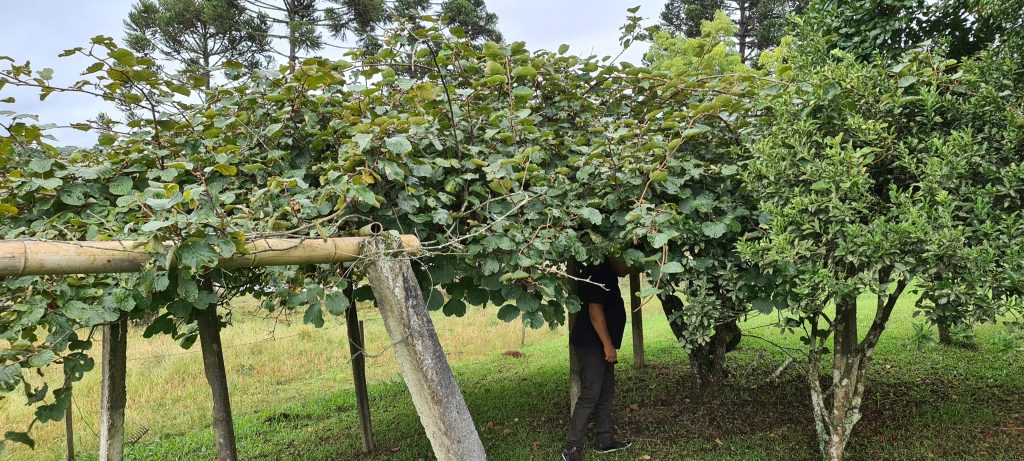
{"x":672,"y":267}
{"x":336,"y":303}
{"x":196,"y":254}
{"x":527,"y":302}
{"x":508,"y":312}
{"x":661,"y":239}
{"x":51,"y":183}
{"x":563,"y":48}
{"x":56,"y":410}
{"x":906,"y":81}
{"x":650,"y":291}
{"x":820,"y":185}
{"x":74,"y":196}
{"x":524,"y":71}
{"x":763,"y":305}
{"x":94,"y":67}
{"x":435,"y":300}
{"x":41,"y":359}
{"x":695,"y":130}
{"x":455,"y":307}
{"x":40,"y":165}
{"x":119,"y":300}
{"x":8,"y":210}
{"x":9,"y":374}
{"x":398,"y":144}
{"x":522,"y":92}
{"x":89,"y":314}
{"x":314,"y":315}
{"x":155,"y":225}
{"x":714,"y":229}
{"x":225,"y":169}
{"x":590,"y":214}
{"x":123,"y":56}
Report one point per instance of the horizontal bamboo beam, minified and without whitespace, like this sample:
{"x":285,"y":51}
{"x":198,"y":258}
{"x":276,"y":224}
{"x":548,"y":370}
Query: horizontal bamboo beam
{"x":46,"y":257}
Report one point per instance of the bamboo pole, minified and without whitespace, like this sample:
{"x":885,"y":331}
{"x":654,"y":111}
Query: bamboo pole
{"x":33,"y":257}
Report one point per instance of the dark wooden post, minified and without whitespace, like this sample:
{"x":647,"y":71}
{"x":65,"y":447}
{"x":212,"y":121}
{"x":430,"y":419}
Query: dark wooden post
{"x":112,"y":393}
{"x":216,"y":377}
{"x":426,"y":371}
{"x":637,"y":320}
{"x":69,"y":422}
{"x":356,"y":344}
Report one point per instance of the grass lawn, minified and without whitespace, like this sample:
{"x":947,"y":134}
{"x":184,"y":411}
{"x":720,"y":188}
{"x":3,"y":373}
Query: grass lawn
{"x":293,"y":401}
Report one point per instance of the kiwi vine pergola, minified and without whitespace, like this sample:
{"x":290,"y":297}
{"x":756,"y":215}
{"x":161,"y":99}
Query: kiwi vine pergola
{"x":426,"y":371}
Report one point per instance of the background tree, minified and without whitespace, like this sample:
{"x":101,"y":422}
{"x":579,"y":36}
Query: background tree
{"x":883,"y":30}
{"x":871,"y":173}
{"x":887,"y":28}
{"x":301,"y":19}
{"x":760,"y":23}
{"x":717,"y":287}
{"x":199,"y":34}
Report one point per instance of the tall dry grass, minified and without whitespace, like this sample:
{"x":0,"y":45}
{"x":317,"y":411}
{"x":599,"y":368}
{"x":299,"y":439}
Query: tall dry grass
{"x":270,"y":362}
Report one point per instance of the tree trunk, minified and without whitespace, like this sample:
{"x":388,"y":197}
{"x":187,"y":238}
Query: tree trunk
{"x":743,"y":29}
{"x":945,"y":338}
{"x":837,"y":410}
{"x":216,"y":377}
{"x":707,"y":361}
{"x":435,"y":393}
{"x":112,"y":393}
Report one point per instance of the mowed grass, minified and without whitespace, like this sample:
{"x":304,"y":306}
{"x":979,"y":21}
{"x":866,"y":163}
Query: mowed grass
{"x":293,"y":399}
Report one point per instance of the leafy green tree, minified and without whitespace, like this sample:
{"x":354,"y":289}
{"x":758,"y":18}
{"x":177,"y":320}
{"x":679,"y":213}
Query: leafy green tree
{"x":760,"y":23}
{"x":887,"y":28}
{"x":871,"y":173}
{"x":365,"y":19}
{"x":717,"y":287}
{"x":301,"y":19}
{"x":883,"y":29}
{"x":198,"y":34}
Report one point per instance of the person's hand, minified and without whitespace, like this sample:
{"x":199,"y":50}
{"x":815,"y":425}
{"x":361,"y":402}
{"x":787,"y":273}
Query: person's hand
{"x":610,"y":354}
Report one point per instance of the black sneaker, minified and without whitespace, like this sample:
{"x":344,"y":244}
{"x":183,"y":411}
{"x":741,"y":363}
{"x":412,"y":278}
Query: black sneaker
{"x":572,"y":454}
{"x":613,"y":446}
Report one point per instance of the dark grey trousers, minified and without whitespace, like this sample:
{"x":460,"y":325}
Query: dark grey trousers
{"x":597,"y":383}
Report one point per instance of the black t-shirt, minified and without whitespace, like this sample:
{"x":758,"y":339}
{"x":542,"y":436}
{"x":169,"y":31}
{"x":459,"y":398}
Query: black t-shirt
{"x":583,"y":333}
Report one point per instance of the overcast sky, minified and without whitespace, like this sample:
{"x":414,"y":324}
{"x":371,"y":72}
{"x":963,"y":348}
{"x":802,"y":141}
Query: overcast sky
{"x":38,"y":30}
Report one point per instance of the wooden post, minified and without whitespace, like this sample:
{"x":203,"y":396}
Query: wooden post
{"x":112,"y":393}
{"x":356,"y":343}
{"x":69,"y":422}
{"x":636,"y":320}
{"x":435,"y":393}
{"x":216,"y":376}
{"x":575,"y":385}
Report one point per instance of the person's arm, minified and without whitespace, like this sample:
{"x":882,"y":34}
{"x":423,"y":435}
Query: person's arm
{"x":601,"y":327}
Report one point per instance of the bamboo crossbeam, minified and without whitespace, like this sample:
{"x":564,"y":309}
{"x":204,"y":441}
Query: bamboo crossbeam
{"x":43,"y":257}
